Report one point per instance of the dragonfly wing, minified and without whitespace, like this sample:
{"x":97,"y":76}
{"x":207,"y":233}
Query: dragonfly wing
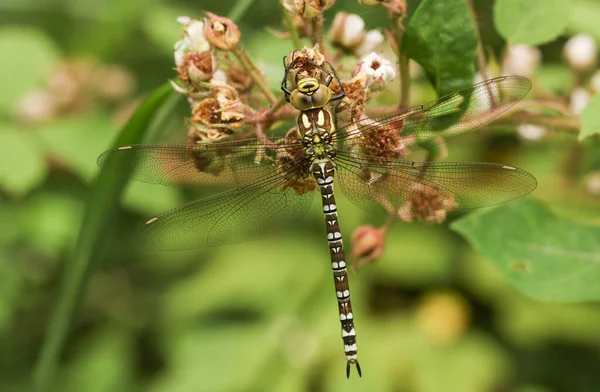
{"x":238,"y":163}
{"x":235,"y":216}
{"x":449,"y":116}
{"x":428,"y":190}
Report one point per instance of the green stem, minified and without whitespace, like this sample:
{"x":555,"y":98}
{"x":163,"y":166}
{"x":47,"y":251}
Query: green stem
{"x":296,"y":42}
{"x":101,"y":206}
{"x":239,"y":9}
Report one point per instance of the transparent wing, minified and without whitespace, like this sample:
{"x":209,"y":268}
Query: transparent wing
{"x":428,"y":190}
{"x":240,"y":162}
{"x":235,"y":216}
{"x":273,"y":185}
{"x":449,"y":116}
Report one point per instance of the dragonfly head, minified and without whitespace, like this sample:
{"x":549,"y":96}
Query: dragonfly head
{"x":310,"y":94}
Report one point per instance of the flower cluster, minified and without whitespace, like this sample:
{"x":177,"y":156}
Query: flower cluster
{"x":212,"y":90}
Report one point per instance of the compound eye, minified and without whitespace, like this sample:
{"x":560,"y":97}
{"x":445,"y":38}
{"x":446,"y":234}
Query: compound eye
{"x":321,"y":96}
{"x":300,"y":101}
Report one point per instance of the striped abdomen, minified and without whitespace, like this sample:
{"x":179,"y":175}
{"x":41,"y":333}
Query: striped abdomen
{"x":323,"y":171}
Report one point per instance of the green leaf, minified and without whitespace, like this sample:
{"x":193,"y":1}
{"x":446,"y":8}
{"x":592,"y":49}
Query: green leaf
{"x":26,"y":59}
{"x":101,"y":206}
{"x":441,"y":36}
{"x":75,"y":141}
{"x":590,"y":118}
{"x":584,"y":18}
{"x":544,"y":255}
{"x":22,"y":165}
{"x":531,"y":22}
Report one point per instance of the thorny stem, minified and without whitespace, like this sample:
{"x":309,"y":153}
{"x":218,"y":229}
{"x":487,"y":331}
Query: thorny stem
{"x":255,"y":74}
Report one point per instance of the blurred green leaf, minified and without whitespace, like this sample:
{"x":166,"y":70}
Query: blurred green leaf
{"x":51,"y":221}
{"x":22,"y":165}
{"x":102,"y":364}
{"x":415,"y":255}
{"x":150,"y":198}
{"x":545,"y":256}
{"x":531,"y":22}
{"x":584,"y":17}
{"x":161,"y":25}
{"x":26,"y":58}
{"x":101,"y":206}
{"x":556,"y":77}
{"x":441,"y":36}
{"x":76,"y":141}
{"x":590,"y":118}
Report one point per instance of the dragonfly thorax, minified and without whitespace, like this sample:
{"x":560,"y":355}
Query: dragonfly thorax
{"x":315,"y":127}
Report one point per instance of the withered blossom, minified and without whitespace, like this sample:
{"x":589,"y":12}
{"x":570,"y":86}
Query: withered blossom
{"x":427,"y":204}
{"x":221,"y":32}
{"x":307,"y":8}
{"x":368,"y":244}
{"x":197,"y":68}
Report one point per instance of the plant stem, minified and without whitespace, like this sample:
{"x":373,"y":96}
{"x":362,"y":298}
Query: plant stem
{"x":255,"y":74}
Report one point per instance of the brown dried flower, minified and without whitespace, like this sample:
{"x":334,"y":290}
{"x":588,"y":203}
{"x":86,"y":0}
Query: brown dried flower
{"x":307,"y":8}
{"x":221,"y":32}
{"x":427,"y":204}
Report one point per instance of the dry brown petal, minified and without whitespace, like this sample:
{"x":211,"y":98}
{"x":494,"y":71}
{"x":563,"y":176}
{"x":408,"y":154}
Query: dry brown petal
{"x":221,"y":32}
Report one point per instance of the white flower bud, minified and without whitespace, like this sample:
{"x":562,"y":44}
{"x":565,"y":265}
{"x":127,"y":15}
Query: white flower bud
{"x":580,"y":52}
{"x":371,"y":41}
{"x":379,"y":70}
{"x":347,"y":30}
{"x":595,"y":82}
{"x":521,"y":60}
{"x":531,"y":131}
{"x":579,"y":100}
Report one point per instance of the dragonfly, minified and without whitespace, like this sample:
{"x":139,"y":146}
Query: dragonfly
{"x":273,"y":180}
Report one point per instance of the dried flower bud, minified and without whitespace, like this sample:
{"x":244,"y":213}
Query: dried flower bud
{"x":307,"y":8}
{"x":580,"y":52}
{"x":193,"y":39}
{"x":368,"y":244}
{"x":229,"y":102}
{"x":347,"y":31}
{"x":221,"y":32}
{"x":113,"y":82}
{"x":197,"y":68}
{"x":579,"y":100}
{"x":521,"y":60}
{"x":378,"y":68}
{"x":427,"y":204}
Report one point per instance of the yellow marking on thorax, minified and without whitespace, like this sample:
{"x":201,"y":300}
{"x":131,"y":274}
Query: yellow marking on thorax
{"x":305,"y":121}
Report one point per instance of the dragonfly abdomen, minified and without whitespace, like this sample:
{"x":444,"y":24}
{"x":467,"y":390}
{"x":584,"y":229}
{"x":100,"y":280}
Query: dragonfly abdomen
{"x":323,"y":172}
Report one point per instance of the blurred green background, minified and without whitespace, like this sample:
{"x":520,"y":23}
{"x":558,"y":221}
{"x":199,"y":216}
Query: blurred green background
{"x":431,"y":314}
